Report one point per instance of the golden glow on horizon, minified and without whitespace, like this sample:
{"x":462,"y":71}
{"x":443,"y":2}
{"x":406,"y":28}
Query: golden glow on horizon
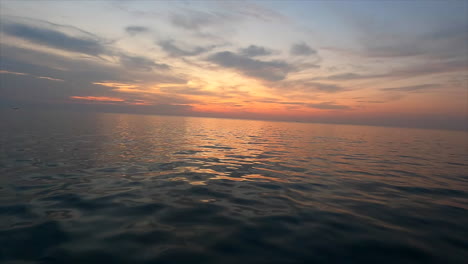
{"x":227,"y":92}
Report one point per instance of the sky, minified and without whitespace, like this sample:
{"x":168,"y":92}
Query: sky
{"x":395,"y":63}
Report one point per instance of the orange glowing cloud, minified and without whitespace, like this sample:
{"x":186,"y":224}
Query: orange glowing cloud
{"x":116,"y":84}
{"x":98,"y":98}
{"x":121,"y":87}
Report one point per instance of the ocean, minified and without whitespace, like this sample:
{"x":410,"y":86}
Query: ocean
{"x":119,"y":188}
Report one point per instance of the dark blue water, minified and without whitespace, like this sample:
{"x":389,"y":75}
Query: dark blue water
{"x":110,"y":188}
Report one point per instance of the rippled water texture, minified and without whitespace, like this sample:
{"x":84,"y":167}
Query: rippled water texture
{"x":110,"y":188}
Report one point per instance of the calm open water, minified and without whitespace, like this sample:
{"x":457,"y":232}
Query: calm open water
{"x":114,"y":188}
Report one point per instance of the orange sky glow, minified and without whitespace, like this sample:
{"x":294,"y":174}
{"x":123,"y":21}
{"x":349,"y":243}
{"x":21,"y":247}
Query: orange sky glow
{"x":347,"y":63}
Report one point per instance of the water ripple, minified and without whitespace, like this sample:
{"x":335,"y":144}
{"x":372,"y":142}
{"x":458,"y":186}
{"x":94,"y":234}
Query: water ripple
{"x":123,"y":189}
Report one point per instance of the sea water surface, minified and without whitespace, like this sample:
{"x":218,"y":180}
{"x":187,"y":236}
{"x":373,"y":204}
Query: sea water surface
{"x":116,"y":188}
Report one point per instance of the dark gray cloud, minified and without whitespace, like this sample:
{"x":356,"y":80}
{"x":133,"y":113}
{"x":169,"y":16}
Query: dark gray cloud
{"x":448,"y":43}
{"x":46,"y":64}
{"x":190,"y":19}
{"x":55,"y":39}
{"x":188,"y":91}
{"x":157,"y":108}
{"x":78,"y":76}
{"x":302,"y":49}
{"x":210,"y":25}
{"x":275,"y":70}
{"x":308,"y":65}
{"x":347,"y":76}
{"x":134,"y":30}
{"x":169,"y":47}
{"x":83,"y":106}
{"x":141,"y":63}
{"x":447,"y":39}
{"x":214,"y":24}
{"x":412,"y":88}
{"x":323,"y":105}
{"x":434,"y":67}
{"x":27,"y":90}
{"x":306,"y":86}
{"x":385,"y":49}
{"x":253,"y":51}
{"x":224,"y":92}
{"x":406,"y":72}
{"x":323,"y":87}
{"x":76,"y":40}
{"x":78,"y":70}
{"x":25,"y":74}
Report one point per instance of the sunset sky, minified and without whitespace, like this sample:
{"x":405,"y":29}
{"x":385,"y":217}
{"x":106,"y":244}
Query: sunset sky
{"x":361,"y":62}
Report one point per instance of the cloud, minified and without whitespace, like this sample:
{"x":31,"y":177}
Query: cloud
{"x":29,"y":88}
{"x":445,"y":66}
{"x":412,"y":88}
{"x":42,"y":74}
{"x":322,"y":105}
{"x":444,"y":40}
{"x":134,"y":30}
{"x":302,"y":49}
{"x":328,"y":106}
{"x":383,"y":50}
{"x":444,"y":43}
{"x":253,"y":51}
{"x":266,"y":70}
{"x":26,"y":74}
{"x":129,"y":106}
{"x":372,"y":101}
{"x":209,"y":24}
{"x":49,"y":78}
{"x":216,"y":23}
{"x":189,"y":91}
{"x":169,"y":47}
{"x":305,"y":86}
{"x":55,"y":39}
{"x":141,"y":63}
{"x":117,"y":85}
{"x":347,"y":76}
{"x":254,"y":11}
{"x":323,"y":87}
{"x":195,"y":20}
{"x":409,"y":71}
{"x":157,"y":93}
{"x":11,"y":72}
{"x":78,"y":70}
{"x":98,"y":98}
{"x":26,"y":89}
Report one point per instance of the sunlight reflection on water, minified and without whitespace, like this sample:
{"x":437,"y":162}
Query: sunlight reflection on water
{"x":141,"y":189}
